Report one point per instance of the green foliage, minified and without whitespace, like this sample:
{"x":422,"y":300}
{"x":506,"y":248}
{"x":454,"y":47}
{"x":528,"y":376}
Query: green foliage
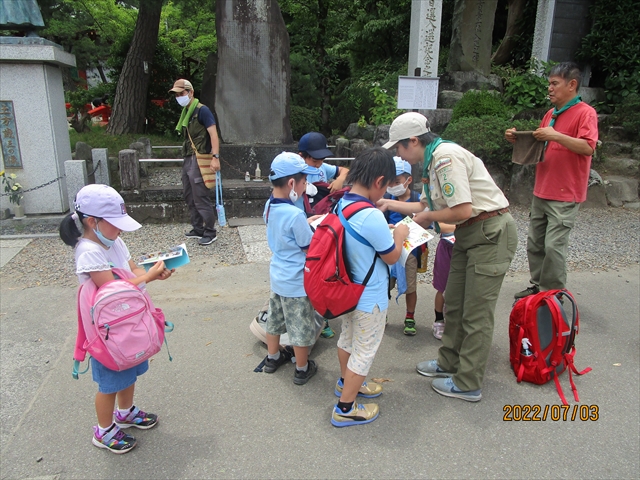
{"x":484,"y":137}
{"x":627,"y":115}
{"x":475,"y":103}
{"x":86,"y":29}
{"x":384,"y":109}
{"x":529,"y":90}
{"x":98,"y":138}
{"x":11,"y":187}
{"x":304,"y":120}
{"x":612,"y":48}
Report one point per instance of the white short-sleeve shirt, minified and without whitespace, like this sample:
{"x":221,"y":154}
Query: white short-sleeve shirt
{"x":93,"y":257}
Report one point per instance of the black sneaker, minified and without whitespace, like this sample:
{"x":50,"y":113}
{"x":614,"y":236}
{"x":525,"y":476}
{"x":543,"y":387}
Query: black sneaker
{"x":193,"y":234}
{"x":532,"y":290}
{"x":300,"y":378}
{"x":207,"y":240}
{"x":271,"y":366}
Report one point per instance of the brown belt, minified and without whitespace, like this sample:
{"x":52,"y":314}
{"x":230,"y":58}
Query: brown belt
{"x":482,"y":216}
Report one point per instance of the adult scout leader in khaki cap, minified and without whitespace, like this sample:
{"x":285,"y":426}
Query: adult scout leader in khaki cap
{"x":459,"y":190}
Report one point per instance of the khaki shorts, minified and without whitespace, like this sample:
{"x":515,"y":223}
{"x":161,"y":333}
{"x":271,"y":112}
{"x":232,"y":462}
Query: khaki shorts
{"x":361,"y":336}
{"x":411,"y":269}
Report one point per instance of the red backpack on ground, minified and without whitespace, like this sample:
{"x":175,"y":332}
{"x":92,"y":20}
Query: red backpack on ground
{"x":327,"y":276}
{"x":541,"y":338}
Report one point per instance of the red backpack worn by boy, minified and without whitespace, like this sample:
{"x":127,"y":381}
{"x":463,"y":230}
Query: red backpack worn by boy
{"x":327,"y":276}
{"x":541,"y":338}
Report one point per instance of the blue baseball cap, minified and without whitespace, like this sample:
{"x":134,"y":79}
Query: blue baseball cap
{"x":288,"y":163}
{"x":315,"y":144}
{"x":402,"y":166}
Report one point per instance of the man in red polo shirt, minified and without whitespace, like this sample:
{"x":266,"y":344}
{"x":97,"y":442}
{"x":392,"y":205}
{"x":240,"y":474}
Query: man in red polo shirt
{"x":570,"y":131}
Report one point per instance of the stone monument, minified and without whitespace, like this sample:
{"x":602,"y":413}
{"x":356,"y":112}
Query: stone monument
{"x":253,"y":73}
{"x":33,"y":122}
{"x":471,"y":36}
{"x":424,"y":43}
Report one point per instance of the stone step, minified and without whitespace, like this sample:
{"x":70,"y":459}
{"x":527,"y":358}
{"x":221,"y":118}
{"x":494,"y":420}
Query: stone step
{"x":166,"y":204}
{"x":614,"y":147}
{"x":628,"y":167}
{"x":621,"y":190}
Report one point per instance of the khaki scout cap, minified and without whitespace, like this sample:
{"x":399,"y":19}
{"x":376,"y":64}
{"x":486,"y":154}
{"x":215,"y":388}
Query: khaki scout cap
{"x":407,"y":125}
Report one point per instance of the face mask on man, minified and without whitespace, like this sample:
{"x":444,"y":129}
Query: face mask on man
{"x":183,"y":100}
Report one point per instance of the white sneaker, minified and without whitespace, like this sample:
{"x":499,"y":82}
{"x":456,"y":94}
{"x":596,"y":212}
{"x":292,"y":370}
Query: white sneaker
{"x":438,"y":329}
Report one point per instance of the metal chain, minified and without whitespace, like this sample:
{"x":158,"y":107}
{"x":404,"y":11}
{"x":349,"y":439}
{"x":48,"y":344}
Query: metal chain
{"x":50,"y":182}
{"x":35,"y":188}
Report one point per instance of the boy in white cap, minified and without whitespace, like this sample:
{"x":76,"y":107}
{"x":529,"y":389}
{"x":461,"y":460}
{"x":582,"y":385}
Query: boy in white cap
{"x":289,"y":236}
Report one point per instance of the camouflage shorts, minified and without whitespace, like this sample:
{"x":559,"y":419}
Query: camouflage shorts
{"x":292,"y":315}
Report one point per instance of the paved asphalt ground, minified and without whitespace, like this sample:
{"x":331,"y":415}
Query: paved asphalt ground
{"x":219,"y":419}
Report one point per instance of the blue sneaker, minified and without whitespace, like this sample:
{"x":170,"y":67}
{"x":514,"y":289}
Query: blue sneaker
{"x":446,"y":387}
{"x":371,"y":390}
{"x":430,"y":368}
{"x":327,"y":331}
{"x":358,"y":415}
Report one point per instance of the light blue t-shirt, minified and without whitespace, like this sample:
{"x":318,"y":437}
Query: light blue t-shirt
{"x":372,"y":226}
{"x":288,"y":233}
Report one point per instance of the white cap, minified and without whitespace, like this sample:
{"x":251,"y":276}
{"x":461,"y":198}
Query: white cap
{"x":102,"y":201}
{"x":407,"y":125}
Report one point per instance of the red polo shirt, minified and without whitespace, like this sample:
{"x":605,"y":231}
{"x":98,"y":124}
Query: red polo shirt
{"x":563,"y":175}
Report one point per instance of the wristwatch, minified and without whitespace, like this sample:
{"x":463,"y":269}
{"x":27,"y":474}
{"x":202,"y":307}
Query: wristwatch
{"x":217,"y":155}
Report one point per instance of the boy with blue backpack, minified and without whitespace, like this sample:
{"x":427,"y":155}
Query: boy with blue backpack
{"x":289,"y":235}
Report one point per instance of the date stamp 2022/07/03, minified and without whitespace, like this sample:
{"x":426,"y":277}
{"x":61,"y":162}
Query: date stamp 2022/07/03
{"x":555,"y":413}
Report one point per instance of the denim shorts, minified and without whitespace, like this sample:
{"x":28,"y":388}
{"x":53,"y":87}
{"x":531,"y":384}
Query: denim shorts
{"x":110,"y":381}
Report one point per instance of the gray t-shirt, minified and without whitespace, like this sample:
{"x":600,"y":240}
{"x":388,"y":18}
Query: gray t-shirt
{"x":93,"y":257}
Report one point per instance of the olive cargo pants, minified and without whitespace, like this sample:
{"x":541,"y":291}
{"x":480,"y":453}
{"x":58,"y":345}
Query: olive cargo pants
{"x":481,"y":257}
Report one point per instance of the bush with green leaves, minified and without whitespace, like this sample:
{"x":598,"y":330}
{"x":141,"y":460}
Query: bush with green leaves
{"x":484,"y":137}
{"x":529,"y":89}
{"x":612,"y":48}
{"x":627,"y":115}
{"x":304,"y":120}
{"x":385,"y":108}
{"x":475,"y":103}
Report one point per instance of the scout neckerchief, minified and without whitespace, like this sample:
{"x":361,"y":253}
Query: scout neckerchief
{"x":428,"y":157}
{"x":556,"y":113}
{"x":185,"y":116}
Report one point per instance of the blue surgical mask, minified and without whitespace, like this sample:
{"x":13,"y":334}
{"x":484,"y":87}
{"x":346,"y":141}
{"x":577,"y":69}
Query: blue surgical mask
{"x":107,"y":242}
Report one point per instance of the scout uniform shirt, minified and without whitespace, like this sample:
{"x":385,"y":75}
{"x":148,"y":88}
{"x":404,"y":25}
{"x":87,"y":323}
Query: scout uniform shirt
{"x":457,"y":176}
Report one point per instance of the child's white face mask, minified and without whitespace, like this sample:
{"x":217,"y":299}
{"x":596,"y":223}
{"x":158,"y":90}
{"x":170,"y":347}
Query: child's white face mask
{"x":397,"y":190}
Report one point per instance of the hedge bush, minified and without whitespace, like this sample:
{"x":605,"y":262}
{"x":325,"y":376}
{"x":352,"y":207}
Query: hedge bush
{"x":475,"y":103}
{"x":484,"y":137}
{"x":304,"y":120}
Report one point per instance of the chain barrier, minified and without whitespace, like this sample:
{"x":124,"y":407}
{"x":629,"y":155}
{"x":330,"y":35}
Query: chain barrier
{"x":36,"y":188}
{"x":51,"y":181}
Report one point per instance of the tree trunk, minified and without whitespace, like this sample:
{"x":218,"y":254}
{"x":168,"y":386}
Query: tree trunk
{"x":514,"y":26}
{"x":130,"y":102}
{"x":325,"y":79}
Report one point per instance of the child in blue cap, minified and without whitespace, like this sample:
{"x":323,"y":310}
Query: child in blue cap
{"x":289,"y":236}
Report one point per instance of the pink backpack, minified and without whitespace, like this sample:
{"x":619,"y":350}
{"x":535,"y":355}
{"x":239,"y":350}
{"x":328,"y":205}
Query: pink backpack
{"x":117,"y":324}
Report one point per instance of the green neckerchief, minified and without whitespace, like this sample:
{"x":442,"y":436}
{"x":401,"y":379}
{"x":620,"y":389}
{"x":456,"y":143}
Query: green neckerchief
{"x":428,"y":157}
{"x":556,"y":113}
{"x":186,"y":115}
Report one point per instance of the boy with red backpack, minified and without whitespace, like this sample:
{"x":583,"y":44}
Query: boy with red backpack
{"x":367,"y":238}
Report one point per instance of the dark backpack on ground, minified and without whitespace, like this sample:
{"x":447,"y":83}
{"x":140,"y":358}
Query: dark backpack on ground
{"x":541,"y":338}
{"x":327,"y":276}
